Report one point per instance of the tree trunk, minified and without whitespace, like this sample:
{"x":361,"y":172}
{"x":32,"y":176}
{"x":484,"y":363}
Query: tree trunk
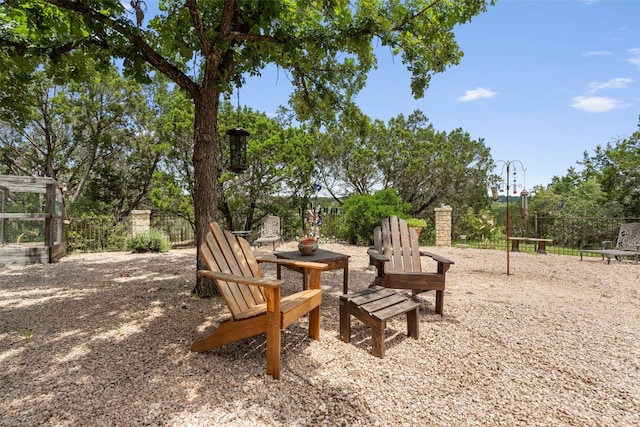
{"x":205,"y":177}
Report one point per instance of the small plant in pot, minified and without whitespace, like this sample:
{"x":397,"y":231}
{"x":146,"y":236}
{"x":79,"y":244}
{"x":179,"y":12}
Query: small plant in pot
{"x":417,"y":223}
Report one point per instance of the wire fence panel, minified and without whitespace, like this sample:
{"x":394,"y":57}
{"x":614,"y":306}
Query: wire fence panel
{"x":568,"y":234}
{"x":179,"y":230}
{"x":96,"y":234}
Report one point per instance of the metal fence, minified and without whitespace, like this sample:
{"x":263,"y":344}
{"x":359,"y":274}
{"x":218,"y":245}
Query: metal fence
{"x":569,"y":234}
{"x":108,"y":233}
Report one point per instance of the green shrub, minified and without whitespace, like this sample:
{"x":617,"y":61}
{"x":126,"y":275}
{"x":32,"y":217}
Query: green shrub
{"x":149,"y":241}
{"x":364,"y":212}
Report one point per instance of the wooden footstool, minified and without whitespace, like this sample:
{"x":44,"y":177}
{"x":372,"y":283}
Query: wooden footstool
{"x":373,"y":306}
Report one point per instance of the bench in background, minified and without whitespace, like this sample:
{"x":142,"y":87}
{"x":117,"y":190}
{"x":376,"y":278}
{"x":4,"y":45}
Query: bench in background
{"x":542,"y":243}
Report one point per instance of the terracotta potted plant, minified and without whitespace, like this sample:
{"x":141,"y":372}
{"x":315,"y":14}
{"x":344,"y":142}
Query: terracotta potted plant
{"x":417,"y":224}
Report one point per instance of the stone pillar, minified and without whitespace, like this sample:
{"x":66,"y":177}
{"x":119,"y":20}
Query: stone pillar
{"x":140,"y":221}
{"x":443,"y":225}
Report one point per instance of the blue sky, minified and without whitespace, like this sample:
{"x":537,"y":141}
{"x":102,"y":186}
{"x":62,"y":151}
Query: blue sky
{"x":541,"y":81}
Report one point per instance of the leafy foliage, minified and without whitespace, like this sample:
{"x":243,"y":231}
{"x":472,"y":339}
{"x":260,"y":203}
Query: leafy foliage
{"x":429,"y":168}
{"x":426,"y":167}
{"x":616,"y":167}
{"x":149,"y":241}
{"x":101,"y":233}
{"x":91,"y":136}
{"x":608,"y":186}
{"x":479,"y":227}
{"x":416,"y":222}
{"x":206,"y":47}
{"x":362,"y":213}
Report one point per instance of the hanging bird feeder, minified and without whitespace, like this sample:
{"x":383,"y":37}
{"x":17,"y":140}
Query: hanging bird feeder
{"x":494,"y":193}
{"x":238,"y":149}
{"x":524,"y":199}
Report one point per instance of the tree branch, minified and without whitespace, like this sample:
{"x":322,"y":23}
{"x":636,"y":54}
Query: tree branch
{"x":196,"y":18}
{"x":133,"y":35}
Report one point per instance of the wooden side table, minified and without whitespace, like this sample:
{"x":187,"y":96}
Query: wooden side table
{"x":334,"y":260}
{"x":373,"y":306}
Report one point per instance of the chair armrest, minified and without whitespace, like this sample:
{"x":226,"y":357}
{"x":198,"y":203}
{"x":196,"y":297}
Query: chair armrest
{"x":377,"y":256}
{"x":295,"y":263}
{"x":437,"y":258}
{"x":264,"y":282}
{"x":607,"y":242}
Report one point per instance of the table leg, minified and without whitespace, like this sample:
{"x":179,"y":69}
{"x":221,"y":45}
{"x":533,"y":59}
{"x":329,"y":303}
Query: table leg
{"x":278,"y":271}
{"x":345,"y":278}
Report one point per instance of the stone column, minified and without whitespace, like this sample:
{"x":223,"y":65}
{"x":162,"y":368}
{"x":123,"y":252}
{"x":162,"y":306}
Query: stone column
{"x":443,"y":225}
{"x":140,"y":221}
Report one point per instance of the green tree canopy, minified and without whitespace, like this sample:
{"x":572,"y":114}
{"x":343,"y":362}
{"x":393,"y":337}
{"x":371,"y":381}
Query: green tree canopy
{"x":608,"y":184}
{"x":206,"y":47}
{"x":88,"y":135}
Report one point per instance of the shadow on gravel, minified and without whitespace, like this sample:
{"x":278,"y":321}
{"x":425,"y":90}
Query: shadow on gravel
{"x":94,"y":340}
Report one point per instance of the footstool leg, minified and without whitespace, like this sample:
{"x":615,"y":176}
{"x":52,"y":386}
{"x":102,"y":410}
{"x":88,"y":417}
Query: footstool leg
{"x":412,"y":323}
{"x":377,"y":338}
{"x":345,"y":321}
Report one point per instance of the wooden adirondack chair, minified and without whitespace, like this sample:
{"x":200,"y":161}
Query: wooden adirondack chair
{"x":396,"y":255}
{"x":255,"y":302}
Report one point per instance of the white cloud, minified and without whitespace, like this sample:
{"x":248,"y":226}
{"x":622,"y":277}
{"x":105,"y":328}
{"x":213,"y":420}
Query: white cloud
{"x":635,"y":57}
{"x":617,"y":83}
{"x":475,"y":94}
{"x":597,"y":53}
{"x":597,"y":104}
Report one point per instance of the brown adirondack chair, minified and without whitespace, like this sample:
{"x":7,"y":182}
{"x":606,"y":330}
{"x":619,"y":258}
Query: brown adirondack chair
{"x":255,"y":302}
{"x":396,"y":256}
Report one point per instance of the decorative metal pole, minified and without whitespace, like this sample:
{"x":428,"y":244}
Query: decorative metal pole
{"x":507,"y":164}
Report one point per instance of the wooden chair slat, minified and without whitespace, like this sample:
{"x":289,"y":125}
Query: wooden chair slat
{"x":396,"y":246}
{"x":404,"y":242}
{"x":244,"y":258}
{"x":253,"y":268}
{"x":233,"y":260}
{"x":212,"y":256}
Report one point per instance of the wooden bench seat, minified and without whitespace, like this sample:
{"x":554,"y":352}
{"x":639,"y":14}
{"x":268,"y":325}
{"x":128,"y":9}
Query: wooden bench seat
{"x":373,"y":307}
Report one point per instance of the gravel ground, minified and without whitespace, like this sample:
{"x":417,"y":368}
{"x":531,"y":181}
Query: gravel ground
{"x":103,"y":339}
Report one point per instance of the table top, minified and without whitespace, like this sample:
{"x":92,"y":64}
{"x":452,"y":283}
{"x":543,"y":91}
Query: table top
{"x":320,"y":256}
